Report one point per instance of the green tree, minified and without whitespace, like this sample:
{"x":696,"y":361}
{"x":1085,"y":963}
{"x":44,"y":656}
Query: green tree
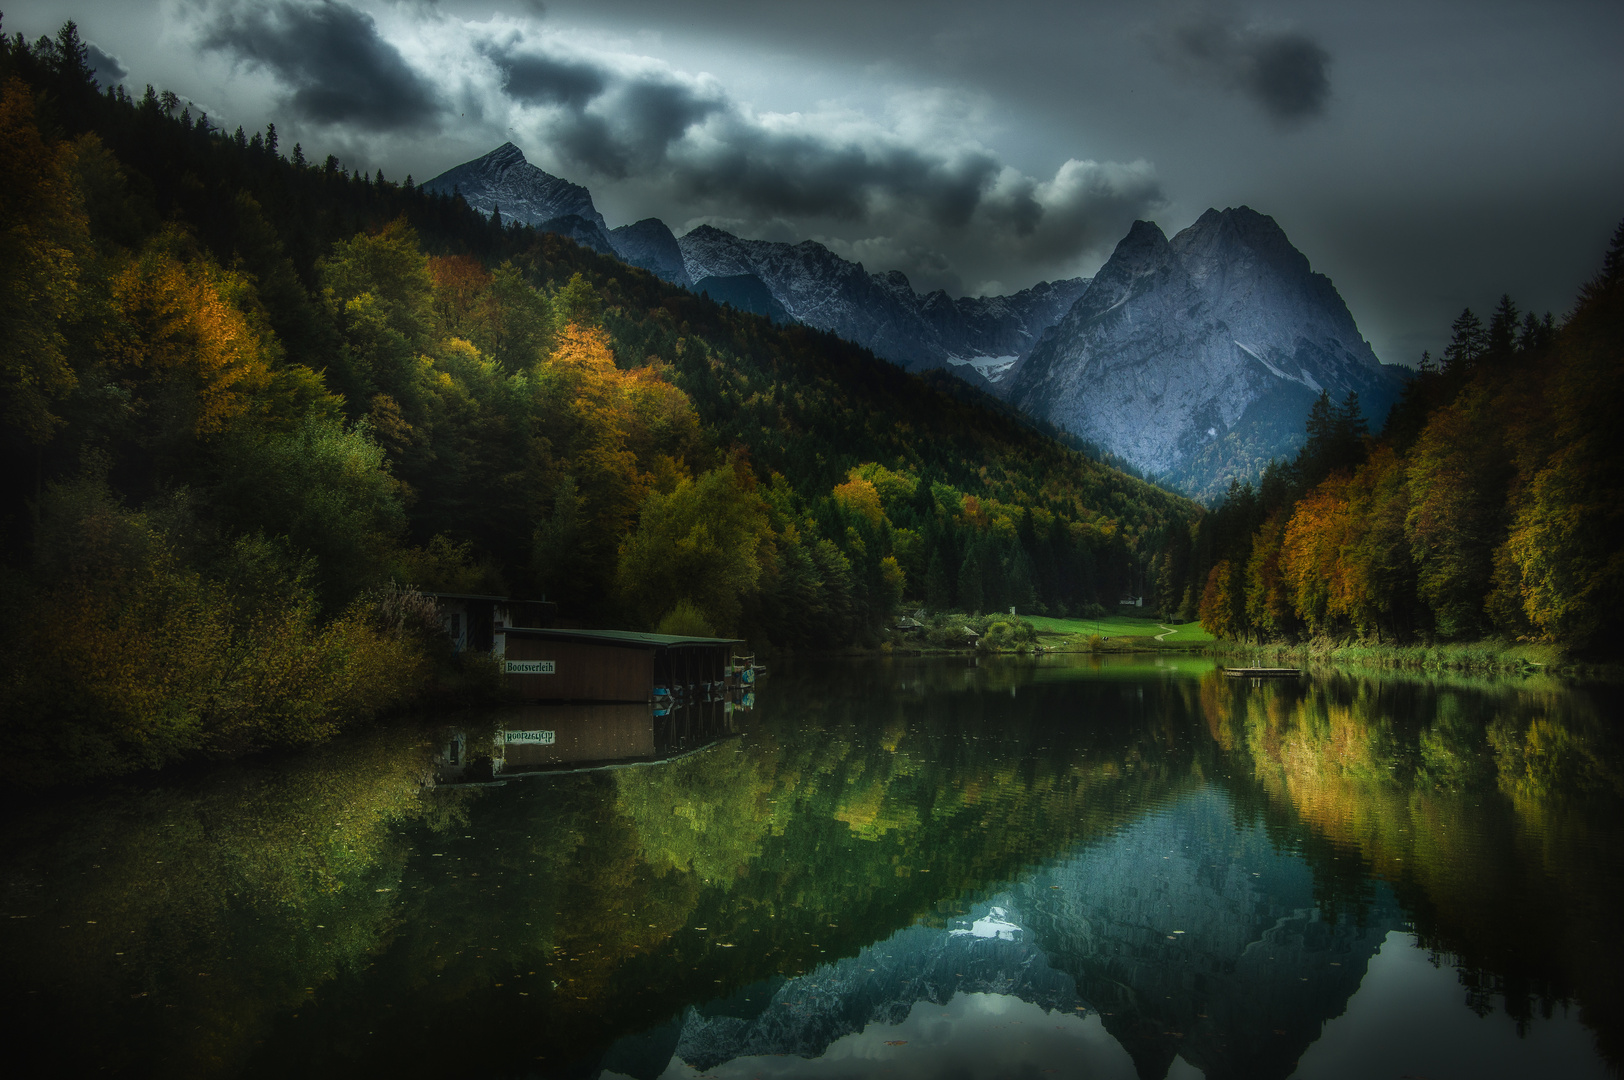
{"x":702,"y":543}
{"x":327,"y":488}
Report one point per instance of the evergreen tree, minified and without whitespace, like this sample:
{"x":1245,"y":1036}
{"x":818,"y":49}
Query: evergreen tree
{"x":1501,"y":341}
{"x":1466,"y":344}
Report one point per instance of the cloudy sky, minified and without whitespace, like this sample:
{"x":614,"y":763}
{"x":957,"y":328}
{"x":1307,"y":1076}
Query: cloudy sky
{"x":1425,"y":155}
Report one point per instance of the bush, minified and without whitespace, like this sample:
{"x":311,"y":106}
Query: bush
{"x":686,"y":620}
{"x":123,"y":656}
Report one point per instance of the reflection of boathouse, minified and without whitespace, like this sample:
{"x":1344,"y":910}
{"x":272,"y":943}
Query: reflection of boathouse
{"x":533,"y":739}
{"x":616,"y":665}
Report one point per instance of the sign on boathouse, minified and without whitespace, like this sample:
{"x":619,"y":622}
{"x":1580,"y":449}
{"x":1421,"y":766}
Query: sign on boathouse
{"x":528,"y":667}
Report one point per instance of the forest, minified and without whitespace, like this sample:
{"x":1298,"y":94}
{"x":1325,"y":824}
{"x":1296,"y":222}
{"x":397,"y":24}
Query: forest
{"x":1491,"y":505}
{"x":256,"y":404}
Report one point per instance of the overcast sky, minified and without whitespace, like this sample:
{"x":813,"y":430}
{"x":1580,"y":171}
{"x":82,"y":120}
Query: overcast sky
{"x":1425,"y":156}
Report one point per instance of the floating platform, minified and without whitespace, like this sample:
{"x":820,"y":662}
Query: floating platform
{"x":1263,"y":672}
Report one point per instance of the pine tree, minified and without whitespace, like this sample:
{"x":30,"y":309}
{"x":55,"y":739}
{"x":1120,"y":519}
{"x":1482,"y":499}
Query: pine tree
{"x":270,"y":138}
{"x":72,"y":56}
{"x":496,"y":216}
{"x":1501,"y":342}
{"x":298,"y":156}
{"x":1466,"y":344}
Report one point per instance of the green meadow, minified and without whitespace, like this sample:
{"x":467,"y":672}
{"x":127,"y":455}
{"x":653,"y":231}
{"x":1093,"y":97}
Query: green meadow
{"x":1112,"y":628}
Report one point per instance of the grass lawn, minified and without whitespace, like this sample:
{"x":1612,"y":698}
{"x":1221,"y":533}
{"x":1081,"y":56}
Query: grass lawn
{"x":1116,"y":626}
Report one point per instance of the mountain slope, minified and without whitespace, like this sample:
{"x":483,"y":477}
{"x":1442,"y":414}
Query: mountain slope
{"x":1197,"y":359}
{"x":976,"y":337}
{"x":650,"y":244}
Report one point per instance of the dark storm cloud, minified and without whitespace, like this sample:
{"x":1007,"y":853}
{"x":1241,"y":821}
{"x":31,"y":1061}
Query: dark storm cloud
{"x":625,"y":118}
{"x":631,"y":125}
{"x":1283,"y":72}
{"x":107,"y":69}
{"x":809,"y":173}
{"x":332,"y":56}
{"x":538,"y":78}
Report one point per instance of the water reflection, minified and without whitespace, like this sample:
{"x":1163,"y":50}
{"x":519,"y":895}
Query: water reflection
{"x":535,"y":740}
{"x":885,"y":864}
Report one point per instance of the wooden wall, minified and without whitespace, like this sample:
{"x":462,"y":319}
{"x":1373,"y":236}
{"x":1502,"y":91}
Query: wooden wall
{"x":583,"y":671}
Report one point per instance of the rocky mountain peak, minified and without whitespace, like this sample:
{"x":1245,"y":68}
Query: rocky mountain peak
{"x":1239,"y":238}
{"x":1197,"y":358}
{"x":504,"y":178}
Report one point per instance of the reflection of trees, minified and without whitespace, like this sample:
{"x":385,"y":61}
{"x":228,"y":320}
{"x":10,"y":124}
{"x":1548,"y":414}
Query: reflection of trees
{"x":1491,"y":810}
{"x":222,"y":902}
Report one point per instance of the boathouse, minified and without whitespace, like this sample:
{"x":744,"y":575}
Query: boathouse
{"x":470,"y":619}
{"x":554,"y":664}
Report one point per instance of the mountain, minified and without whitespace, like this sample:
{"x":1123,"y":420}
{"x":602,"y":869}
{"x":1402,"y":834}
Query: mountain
{"x":1197,"y":359}
{"x":979,"y":338}
{"x":650,"y":244}
{"x":504,"y":180}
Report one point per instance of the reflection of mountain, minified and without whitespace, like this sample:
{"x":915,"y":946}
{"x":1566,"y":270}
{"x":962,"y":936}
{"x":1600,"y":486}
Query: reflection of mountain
{"x":1194,"y":936}
{"x":1191,"y":934}
{"x":877,"y":986}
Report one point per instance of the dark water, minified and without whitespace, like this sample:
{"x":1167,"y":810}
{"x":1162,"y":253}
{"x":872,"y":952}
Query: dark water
{"x":911,"y":869}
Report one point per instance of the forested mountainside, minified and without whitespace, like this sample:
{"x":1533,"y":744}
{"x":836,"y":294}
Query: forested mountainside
{"x":248,"y":396}
{"x":1492,"y":504}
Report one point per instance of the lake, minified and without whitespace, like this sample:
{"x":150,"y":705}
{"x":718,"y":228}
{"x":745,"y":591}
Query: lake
{"x":1070,"y":866}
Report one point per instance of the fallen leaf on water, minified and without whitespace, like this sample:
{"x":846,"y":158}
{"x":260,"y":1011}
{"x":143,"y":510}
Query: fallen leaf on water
{"x":896,"y":1042}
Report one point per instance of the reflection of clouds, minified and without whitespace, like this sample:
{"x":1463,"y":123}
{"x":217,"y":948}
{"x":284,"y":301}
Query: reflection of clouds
{"x":972,"y":1035}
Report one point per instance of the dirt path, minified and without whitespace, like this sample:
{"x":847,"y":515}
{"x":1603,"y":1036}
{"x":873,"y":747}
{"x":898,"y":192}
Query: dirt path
{"x":1169,"y":630}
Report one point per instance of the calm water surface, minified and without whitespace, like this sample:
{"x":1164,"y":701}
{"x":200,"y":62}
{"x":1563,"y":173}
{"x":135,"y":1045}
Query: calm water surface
{"x":889,"y":868}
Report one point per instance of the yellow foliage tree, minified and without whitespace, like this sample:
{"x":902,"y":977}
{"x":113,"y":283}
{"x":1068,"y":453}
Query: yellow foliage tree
{"x":176,"y":327}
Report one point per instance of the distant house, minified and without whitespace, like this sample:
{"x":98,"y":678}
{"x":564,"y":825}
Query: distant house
{"x":1132,"y":601}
